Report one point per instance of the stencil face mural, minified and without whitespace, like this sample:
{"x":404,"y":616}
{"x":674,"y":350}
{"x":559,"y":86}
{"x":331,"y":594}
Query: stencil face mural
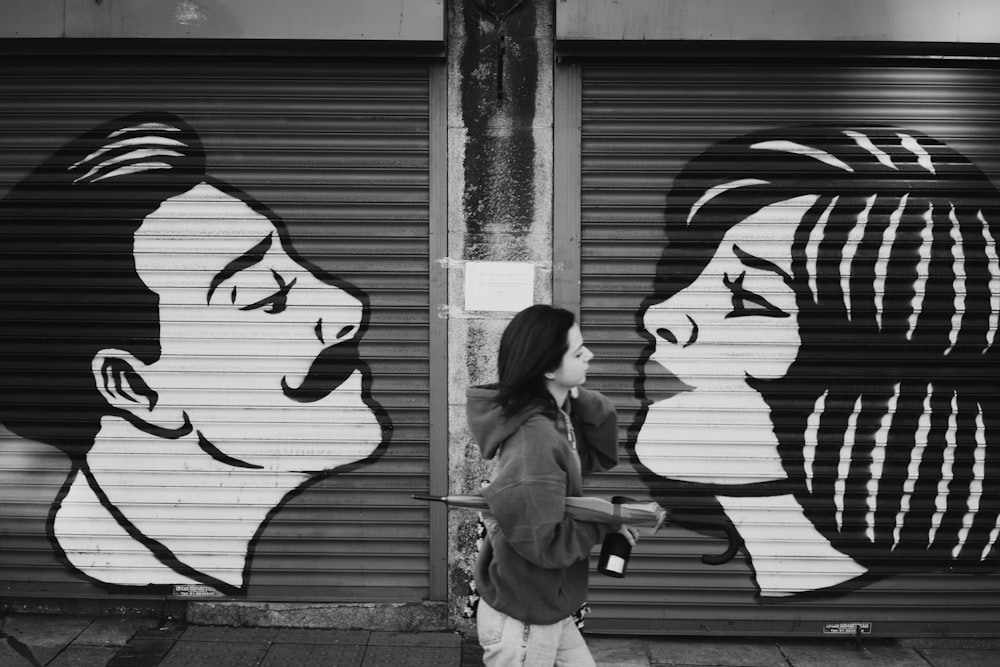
{"x":177,"y":431}
{"x":826,"y":314}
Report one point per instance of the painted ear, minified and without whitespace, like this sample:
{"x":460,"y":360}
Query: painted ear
{"x":120,"y":384}
{"x":126,"y":390}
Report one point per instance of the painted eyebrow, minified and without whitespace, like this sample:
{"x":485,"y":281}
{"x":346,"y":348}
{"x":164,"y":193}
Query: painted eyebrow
{"x":755,"y":262}
{"x":244,"y":261}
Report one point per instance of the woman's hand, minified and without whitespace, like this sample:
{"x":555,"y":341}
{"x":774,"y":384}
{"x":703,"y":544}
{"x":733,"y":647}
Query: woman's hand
{"x":631,"y":534}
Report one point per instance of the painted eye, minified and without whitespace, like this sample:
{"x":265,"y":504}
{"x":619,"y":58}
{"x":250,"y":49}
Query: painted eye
{"x":277,"y":302}
{"x":747,"y":303}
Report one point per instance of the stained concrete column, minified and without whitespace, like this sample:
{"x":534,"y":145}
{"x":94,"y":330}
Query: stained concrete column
{"x":500,"y":70}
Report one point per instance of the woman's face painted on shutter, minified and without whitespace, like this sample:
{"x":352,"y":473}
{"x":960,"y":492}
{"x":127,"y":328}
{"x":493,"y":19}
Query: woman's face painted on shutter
{"x":258,"y":350}
{"x":735,"y":322}
{"x":717,"y":340}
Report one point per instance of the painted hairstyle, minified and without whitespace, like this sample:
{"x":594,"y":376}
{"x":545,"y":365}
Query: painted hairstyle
{"x":888,"y":423}
{"x":68,"y":280}
{"x":533,"y":344}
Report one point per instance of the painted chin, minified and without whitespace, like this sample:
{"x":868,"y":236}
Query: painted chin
{"x":730,"y":448}
{"x":664,"y":446}
{"x":337,"y":430}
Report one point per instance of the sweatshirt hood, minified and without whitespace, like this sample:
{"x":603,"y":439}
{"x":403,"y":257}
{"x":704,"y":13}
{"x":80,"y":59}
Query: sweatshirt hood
{"x":489,"y":426}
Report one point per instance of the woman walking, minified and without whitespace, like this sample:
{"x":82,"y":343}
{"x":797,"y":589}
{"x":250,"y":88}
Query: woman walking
{"x":544,"y":430}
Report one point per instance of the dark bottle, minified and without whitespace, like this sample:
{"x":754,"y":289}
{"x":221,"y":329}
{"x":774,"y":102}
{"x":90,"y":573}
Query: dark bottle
{"x":615,"y":552}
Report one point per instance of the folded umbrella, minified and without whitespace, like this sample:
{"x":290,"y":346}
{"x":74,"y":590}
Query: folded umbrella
{"x":647,"y":517}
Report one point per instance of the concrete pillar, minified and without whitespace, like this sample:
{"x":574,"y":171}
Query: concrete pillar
{"x":500,"y":72}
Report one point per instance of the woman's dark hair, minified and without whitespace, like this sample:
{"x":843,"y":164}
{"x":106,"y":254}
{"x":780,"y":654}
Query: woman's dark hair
{"x":533,"y":344}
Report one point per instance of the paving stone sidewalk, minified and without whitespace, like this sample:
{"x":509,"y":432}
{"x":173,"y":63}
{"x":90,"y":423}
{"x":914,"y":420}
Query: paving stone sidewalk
{"x":71,"y":641}
{"x":37,"y":640}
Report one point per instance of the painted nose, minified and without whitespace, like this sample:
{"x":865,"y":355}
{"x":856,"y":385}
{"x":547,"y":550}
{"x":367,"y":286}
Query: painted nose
{"x":335,"y":314}
{"x":329,"y":334}
{"x":338,"y":320}
{"x":673,"y":329}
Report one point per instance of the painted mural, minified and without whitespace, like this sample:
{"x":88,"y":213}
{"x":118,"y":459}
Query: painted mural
{"x":820,"y":363}
{"x":159,"y":328}
{"x":821,"y":355}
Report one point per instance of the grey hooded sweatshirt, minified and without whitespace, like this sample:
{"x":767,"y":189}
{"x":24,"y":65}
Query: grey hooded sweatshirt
{"x":535,"y":567}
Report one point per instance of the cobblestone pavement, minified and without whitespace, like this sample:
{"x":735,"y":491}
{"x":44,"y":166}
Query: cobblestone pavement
{"x":83,"y":641}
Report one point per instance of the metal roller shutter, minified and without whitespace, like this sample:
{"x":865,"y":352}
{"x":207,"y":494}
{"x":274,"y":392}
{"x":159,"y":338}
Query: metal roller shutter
{"x":863,"y":295}
{"x":278,"y":489}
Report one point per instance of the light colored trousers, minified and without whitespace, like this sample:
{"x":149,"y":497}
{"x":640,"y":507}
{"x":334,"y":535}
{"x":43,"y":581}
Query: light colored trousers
{"x":508,"y":642}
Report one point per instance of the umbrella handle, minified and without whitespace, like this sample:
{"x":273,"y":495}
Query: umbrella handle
{"x":735,"y":542}
{"x":732,"y":536}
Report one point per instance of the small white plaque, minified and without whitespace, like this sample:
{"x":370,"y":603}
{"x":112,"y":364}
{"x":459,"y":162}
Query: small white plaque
{"x":195,"y":591}
{"x":499,"y":286}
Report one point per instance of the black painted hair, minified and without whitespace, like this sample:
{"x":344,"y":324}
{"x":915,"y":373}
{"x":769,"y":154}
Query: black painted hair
{"x":68,"y":280}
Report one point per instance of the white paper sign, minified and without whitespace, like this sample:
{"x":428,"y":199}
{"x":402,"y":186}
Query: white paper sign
{"x":499,"y":286}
